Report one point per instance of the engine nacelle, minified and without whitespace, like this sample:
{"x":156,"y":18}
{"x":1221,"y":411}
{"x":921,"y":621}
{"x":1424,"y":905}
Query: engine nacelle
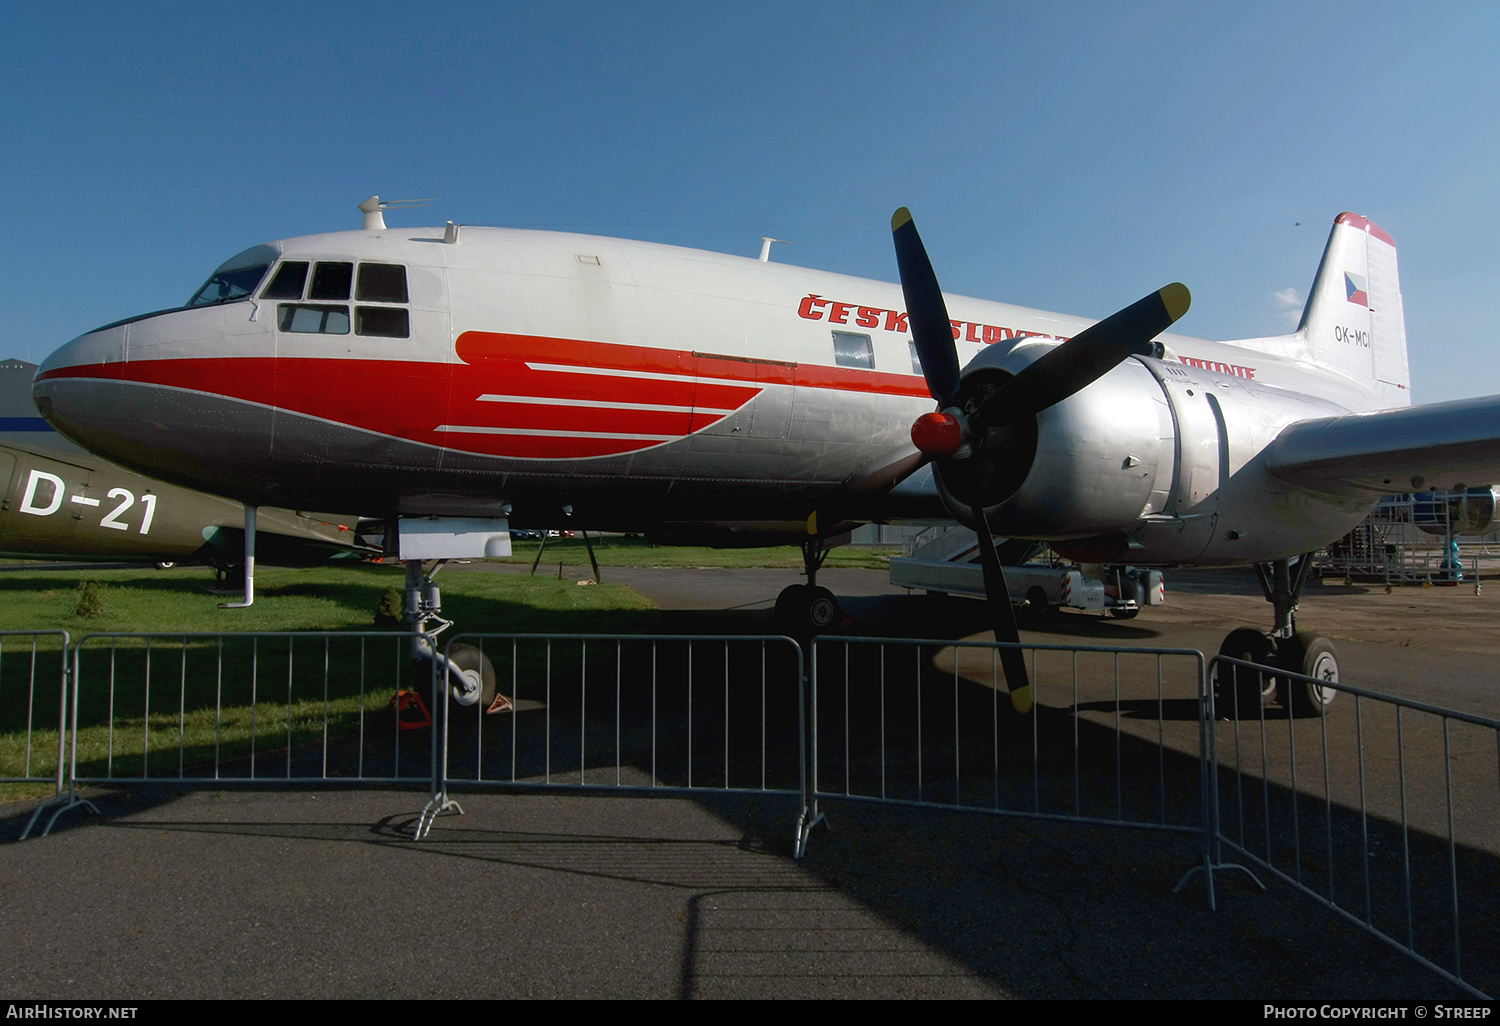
{"x":1467,"y":512}
{"x":1092,"y":464}
{"x":1154,"y":458}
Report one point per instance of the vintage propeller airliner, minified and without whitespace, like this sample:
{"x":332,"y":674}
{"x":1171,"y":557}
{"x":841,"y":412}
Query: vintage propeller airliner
{"x":455,"y":380}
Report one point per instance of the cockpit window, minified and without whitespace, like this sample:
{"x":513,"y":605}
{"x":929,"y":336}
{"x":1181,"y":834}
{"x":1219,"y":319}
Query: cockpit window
{"x":307,"y":319}
{"x":288,"y":281}
{"x":381,"y":283}
{"x":382,"y":321}
{"x":227,"y":286}
{"x":236,"y":278}
{"x":331,"y":280}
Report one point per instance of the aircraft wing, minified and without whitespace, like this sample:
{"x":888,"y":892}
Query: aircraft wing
{"x":1441,"y":445}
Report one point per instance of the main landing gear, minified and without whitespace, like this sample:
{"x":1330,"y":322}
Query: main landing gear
{"x":808,"y":608}
{"x":1283,"y":648}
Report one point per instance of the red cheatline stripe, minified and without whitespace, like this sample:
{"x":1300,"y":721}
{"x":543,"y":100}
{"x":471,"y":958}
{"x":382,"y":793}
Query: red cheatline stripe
{"x":527,"y":397}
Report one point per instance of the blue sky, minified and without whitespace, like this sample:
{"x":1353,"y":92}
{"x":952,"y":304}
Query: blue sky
{"x":1071,"y":158}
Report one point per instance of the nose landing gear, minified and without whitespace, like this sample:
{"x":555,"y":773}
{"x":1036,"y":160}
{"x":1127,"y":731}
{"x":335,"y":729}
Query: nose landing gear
{"x":470,"y":675}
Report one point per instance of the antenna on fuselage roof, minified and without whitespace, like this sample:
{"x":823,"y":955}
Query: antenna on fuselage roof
{"x":765,"y":247}
{"x":374,"y":208}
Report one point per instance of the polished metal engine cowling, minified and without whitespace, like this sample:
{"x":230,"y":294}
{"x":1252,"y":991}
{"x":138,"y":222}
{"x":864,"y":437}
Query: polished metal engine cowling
{"x":1093,"y":463}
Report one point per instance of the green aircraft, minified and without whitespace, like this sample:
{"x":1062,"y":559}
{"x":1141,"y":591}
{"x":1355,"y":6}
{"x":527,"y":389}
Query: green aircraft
{"x":62,"y":502}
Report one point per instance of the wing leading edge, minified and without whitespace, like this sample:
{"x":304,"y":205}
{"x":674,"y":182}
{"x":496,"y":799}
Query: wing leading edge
{"x":1440,"y":445}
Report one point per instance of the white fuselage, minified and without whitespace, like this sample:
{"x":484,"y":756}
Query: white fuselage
{"x":645,"y":385}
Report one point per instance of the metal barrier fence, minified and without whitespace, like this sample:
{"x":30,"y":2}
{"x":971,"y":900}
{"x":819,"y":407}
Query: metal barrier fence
{"x":262,"y":707}
{"x":1352,"y":810}
{"x":1386,"y":811}
{"x":627,"y":712}
{"x":33,"y":706}
{"x":1114,"y":738}
{"x":33,"y":682}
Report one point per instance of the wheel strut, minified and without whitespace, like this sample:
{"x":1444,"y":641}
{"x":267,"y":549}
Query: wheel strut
{"x":808,"y":607}
{"x":814,"y":552}
{"x":1282,"y":585}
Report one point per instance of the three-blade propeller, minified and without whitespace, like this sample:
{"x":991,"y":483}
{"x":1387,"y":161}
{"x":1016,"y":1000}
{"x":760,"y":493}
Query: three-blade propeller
{"x":954,"y":432}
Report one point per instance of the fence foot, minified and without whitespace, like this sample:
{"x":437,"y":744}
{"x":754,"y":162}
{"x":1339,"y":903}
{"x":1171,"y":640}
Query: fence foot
{"x":435,"y":807}
{"x":1207,"y":869}
{"x":71,"y":801}
{"x":809,"y":818}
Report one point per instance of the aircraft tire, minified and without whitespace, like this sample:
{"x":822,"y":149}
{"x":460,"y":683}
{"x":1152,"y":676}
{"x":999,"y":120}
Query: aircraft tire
{"x":1311,"y":655}
{"x":788,"y":604}
{"x":822,"y":609}
{"x":801,"y":608}
{"x":475,"y":667}
{"x":1035,"y":609}
{"x":1244,"y":691}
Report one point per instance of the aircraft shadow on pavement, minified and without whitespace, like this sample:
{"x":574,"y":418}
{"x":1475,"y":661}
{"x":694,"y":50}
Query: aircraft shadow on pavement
{"x":1020,"y":902}
{"x":1037,"y":908}
{"x":927,"y":737}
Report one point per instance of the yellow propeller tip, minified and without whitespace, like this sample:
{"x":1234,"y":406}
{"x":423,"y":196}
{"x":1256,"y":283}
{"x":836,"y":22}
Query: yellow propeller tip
{"x":899,"y":218}
{"x":1020,"y":699}
{"x":1176,"y":298}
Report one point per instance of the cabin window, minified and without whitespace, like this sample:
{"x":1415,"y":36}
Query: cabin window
{"x":851,"y":350}
{"x":331,"y":281}
{"x":381,"y":283}
{"x":288,"y":281}
{"x":308,"y":319}
{"x":382,"y":321}
{"x":916,"y":361}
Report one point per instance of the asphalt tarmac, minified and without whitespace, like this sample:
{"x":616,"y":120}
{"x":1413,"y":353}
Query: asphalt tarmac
{"x":322,"y":893}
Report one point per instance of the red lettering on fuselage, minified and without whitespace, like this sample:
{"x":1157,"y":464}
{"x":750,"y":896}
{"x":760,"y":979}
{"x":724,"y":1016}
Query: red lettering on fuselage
{"x":814,"y":307}
{"x":807,"y":308}
{"x":1232,"y":369}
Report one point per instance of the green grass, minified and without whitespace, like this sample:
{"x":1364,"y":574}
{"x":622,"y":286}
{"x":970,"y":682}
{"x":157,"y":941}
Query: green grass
{"x":321,"y":599}
{"x":187,"y":713}
{"x":170,"y":706}
{"x":613,"y":550}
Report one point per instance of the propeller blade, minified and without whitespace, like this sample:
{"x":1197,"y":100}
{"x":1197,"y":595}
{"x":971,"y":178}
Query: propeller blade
{"x":997,"y":595}
{"x":1084,"y":358}
{"x":927,"y":314}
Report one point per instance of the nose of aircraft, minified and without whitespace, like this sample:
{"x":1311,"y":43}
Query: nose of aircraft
{"x":97,"y":348}
{"x":62,"y":389}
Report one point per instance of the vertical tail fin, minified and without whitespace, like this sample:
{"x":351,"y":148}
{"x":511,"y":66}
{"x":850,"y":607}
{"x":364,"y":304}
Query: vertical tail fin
{"x":17,"y":411}
{"x":20,"y":423}
{"x":1354,"y":320}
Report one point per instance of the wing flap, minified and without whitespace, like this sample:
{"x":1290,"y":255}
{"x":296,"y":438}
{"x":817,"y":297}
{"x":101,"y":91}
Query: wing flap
{"x":1439,"y":445}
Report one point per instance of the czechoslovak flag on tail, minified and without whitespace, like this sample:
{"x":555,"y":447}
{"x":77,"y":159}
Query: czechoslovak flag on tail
{"x":1354,"y":288}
